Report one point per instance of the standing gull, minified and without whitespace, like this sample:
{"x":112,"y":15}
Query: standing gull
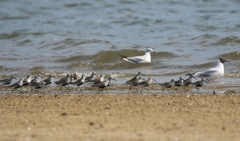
{"x":213,"y":73}
{"x":146,"y":58}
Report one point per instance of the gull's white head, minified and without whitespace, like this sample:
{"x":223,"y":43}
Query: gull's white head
{"x":149,"y":50}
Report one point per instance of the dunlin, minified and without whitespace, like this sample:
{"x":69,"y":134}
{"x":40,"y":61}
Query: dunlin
{"x":49,"y":80}
{"x":91,"y":77}
{"x":8,"y":81}
{"x":189,"y":80}
{"x":178,"y":83}
{"x":79,"y":82}
{"x":145,"y":83}
{"x":17,"y":84}
{"x":64,"y":81}
{"x":103,"y":85}
{"x":27,"y":80}
{"x":167,"y":85}
{"x":200,"y":83}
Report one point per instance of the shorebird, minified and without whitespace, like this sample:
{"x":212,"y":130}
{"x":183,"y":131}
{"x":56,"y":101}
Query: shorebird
{"x":91,"y":77}
{"x":35,"y":81}
{"x":40,"y":85}
{"x":200,"y":83}
{"x":134,"y":80}
{"x":79,"y":82}
{"x":178,"y":83}
{"x":8,"y":81}
{"x":189,"y":80}
{"x":145,"y":83}
{"x":98,"y":80}
{"x":167,"y":85}
{"x":49,"y":80}
{"x":17,"y":84}
{"x":213,"y":73}
{"x":27,"y":80}
{"x":146,"y":58}
{"x":64,"y":81}
{"x":103,"y":85}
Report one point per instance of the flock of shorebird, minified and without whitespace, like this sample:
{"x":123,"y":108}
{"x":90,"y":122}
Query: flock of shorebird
{"x":137,"y":81}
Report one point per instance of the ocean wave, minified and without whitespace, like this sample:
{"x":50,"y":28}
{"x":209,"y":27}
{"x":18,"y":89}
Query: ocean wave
{"x":228,"y":40}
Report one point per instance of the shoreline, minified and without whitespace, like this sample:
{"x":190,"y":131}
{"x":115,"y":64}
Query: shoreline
{"x":120,"y":117}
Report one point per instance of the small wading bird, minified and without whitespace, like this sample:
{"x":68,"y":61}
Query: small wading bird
{"x":135,"y":80}
{"x":178,"y":83}
{"x":213,"y":73}
{"x":167,"y":85}
{"x":145,"y":83}
{"x":91,"y":77}
{"x":103,"y":85}
{"x":200,"y":83}
{"x":64,"y":81}
{"x":189,"y":80}
{"x":17,"y":85}
{"x":146,"y":58}
{"x":49,"y":80}
{"x":98,"y":80}
{"x":40,"y":85}
{"x":8,"y":81}
{"x":27,"y":80}
{"x":79,"y":82}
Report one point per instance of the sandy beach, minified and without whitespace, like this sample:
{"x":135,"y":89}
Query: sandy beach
{"x":132,"y":117}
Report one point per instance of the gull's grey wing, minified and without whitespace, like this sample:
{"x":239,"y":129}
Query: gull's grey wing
{"x":136,"y":60}
{"x":207,"y":73}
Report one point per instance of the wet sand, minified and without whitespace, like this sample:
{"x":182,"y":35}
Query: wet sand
{"x":135,"y":117}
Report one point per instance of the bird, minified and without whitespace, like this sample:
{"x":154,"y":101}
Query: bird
{"x":98,"y":80}
{"x":35,"y":81}
{"x":64,"y":81}
{"x":91,"y":77}
{"x":200,"y":83}
{"x":49,"y":80}
{"x":167,"y":85}
{"x":8,"y":81}
{"x":146,"y":58}
{"x":213,"y":73}
{"x":134,"y":80}
{"x":189,"y":80}
{"x":40,"y":85}
{"x":17,"y":84}
{"x":80,"y":81}
{"x":27,"y":80}
{"x":178,"y":83}
{"x":103,"y":85}
{"x":145,"y":83}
